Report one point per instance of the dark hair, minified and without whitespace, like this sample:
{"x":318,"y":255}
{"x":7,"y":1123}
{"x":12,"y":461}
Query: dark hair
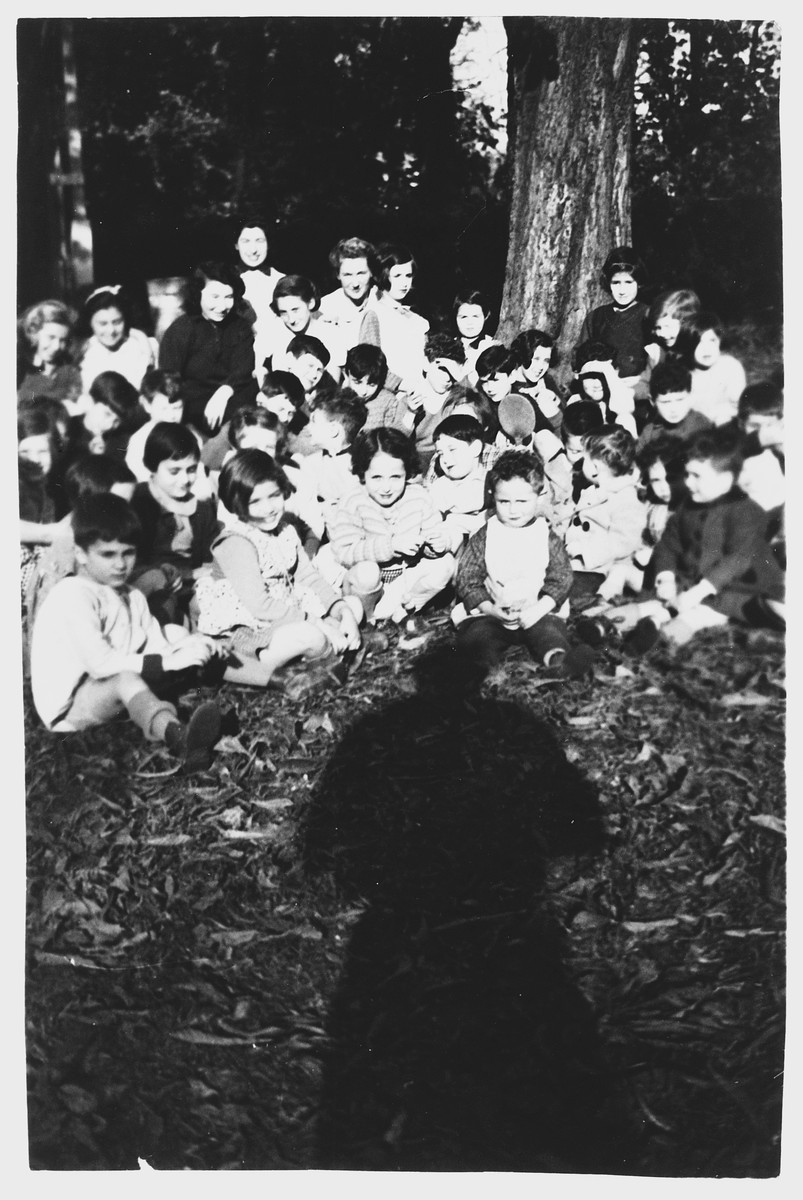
{"x":459,"y":426}
{"x":283,"y":383}
{"x":305,"y":343}
{"x":765,"y":399}
{"x":515,"y":464}
{"x":364,"y":361}
{"x":593,"y":351}
{"x":444,"y":345}
{"x":721,"y":446}
{"x":55,"y":412}
{"x":352,"y":247}
{"x":250,"y":417}
{"x":472,"y":296}
{"x":105,"y":297}
{"x":525,"y":344}
{"x":211,"y":272}
{"x":623,"y":258}
{"x":584,"y":416}
{"x":243,"y":472}
{"x":613,"y":446}
{"x":670,"y":376}
{"x":104,"y":517}
{"x":670,"y":451}
{"x":167,"y":440}
{"x":477,"y":401}
{"x":295,"y":285}
{"x":388,"y":256}
{"x":248,"y":220}
{"x":494,"y":359}
{"x":158,"y":382}
{"x":35,"y":421}
{"x":94,"y":475}
{"x":383,"y":440}
{"x":347,"y":409}
{"x":114,"y":390}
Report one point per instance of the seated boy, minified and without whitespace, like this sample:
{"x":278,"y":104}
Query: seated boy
{"x":456,"y":478}
{"x":307,"y":359}
{"x":326,"y":473}
{"x":495,"y":369}
{"x":445,"y":357}
{"x":712,"y":564}
{"x":514,"y":576}
{"x":672,"y":412}
{"x":366,"y":375}
{"x":96,"y":650}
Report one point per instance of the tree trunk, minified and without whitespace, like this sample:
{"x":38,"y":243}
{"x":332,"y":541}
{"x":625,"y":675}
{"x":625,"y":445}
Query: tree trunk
{"x":571,"y":113}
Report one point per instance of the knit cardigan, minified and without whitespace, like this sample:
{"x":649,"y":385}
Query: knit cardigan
{"x":472,"y":572}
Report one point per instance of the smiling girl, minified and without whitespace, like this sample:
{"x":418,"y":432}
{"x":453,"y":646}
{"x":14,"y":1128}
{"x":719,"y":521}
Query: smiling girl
{"x":112,"y":344}
{"x":391,"y":324}
{"x":717,"y":379}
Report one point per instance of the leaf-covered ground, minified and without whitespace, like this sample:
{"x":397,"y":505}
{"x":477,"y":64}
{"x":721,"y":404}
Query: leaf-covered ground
{"x":413,"y":924}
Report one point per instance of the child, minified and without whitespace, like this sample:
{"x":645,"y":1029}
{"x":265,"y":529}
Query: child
{"x":282,"y":395}
{"x":514,"y":576}
{"x":326,"y":474}
{"x":97,"y":651}
{"x":456,"y":477}
{"x":37,"y":447}
{"x":712,"y":564}
{"x":495,"y":369}
{"x":597,"y":379}
{"x":445,"y":358}
{"x":113,"y":345}
{"x":622,"y":324}
{"x":351,"y":260}
{"x":607,"y":523}
{"x":762,"y":475}
{"x":366,"y":375}
{"x":211,"y":347}
{"x":662,"y":465}
{"x":389,"y":535}
{"x":390,"y":323}
{"x":296,"y":303}
{"x":307,"y":359}
{"x":471,"y":315}
{"x":44,"y":363}
{"x":106,"y":423}
{"x":669,"y":314}
{"x":160,"y":400}
{"x":535,"y":352}
{"x":264,"y":593}
{"x":673,"y":413}
{"x":178,"y":527}
{"x":717,"y":379}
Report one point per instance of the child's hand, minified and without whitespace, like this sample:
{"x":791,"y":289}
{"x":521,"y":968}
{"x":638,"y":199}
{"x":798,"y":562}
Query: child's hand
{"x":341,"y":614}
{"x":406,"y":544}
{"x":693,"y":597}
{"x":192,"y":651}
{"x":666,"y":588}
{"x":440,"y":541}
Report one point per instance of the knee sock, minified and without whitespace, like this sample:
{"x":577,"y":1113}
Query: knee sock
{"x":151,"y":714}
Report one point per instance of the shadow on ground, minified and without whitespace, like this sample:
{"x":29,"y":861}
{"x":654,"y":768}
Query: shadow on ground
{"x":458,"y":1039}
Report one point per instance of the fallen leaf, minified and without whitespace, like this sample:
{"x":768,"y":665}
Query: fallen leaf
{"x":768,"y":822}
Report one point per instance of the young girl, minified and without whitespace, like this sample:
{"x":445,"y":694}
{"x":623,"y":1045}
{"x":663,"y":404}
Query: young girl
{"x":622,"y":324}
{"x":37,"y":447}
{"x":44,"y":363}
{"x":669,"y":314}
{"x":534,"y":352}
{"x":264,"y":594}
{"x":110,"y":415}
{"x":212,"y":348}
{"x":112,"y":344}
{"x":296,"y":303}
{"x":717,"y":379}
{"x":662,"y":464}
{"x":597,"y":379}
{"x":389,"y":534}
{"x":391,"y":324}
{"x":471,"y":314}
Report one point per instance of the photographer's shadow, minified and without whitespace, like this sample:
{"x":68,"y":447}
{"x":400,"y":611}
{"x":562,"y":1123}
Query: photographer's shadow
{"x":458,"y":1040}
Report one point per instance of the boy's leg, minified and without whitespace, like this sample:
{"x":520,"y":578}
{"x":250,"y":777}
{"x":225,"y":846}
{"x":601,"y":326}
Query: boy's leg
{"x":421,"y":583}
{"x":99,"y":701}
{"x":548,"y":643}
{"x":485,"y":640}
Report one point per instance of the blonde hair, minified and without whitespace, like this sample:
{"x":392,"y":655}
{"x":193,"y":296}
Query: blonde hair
{"x":43,"y":313}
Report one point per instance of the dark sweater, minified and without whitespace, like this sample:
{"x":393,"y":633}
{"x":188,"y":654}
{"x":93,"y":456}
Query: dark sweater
{"x":624,"y":329}
{"x":158,"y":527}
{"x":472,"y":571}
{"x":208,"y":354}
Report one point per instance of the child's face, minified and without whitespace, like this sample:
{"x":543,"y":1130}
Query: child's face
{"x":400,"y":280}
{"x":573,"y":446}
{"x":593,"y":388}
{"x":308,"y":370}
{"x":257,"y":437}
{"x":355,"y":278}
{"x":705,"y":482}
{"x":37,"y":449}
{"x":624,"y":289}
{"x":326,"y":433}
{"x":440,"y":375}
{"x":385,"y":479}
{"x":673,"y":407}
{"x":457,"y":458}
{"x":162,"y":408}
{"x":50,"y":341}
{"x":99,"y":419}
{"x":658,"y":482}
{"x":109,"y":563}
{"x":217,"y":301}
{"x":266,"y":506}
{"x":539,"y":364}
{"x":281,"y":405}
{"x":470,"y":320}
{"x":175,"y":477}
{"x":707,"y":350}
{"x":108,"y":326}
{"x":768,"y":427}
{"x":252,"y":247}
{"x":497,"y":386}
{"x":516,"y":502}
{"x":364,"y":388}
{"x":295,"y":313}
{"x":667,"y":329}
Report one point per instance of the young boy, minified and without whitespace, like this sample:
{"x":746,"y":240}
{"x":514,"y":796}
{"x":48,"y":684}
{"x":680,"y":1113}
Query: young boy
{"x":325,"y":473}
{"x":712,"y":563}
{"x":366,"y":375}
{"x":495,"y":371}
{"x":96,"y":649}
{"x":456,"y":478}
{"x":445,"y":360}
{"x":670,"y":389}
{"x":762,"y":476}
{"x":514,"y":576}
{"x":159,"y":398}
{"x":346,"y":306}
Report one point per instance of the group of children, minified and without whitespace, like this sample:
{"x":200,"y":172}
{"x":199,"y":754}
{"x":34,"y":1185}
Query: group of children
{"x":283,"y":474}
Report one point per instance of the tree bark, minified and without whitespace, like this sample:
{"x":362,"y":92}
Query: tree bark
{"x":571,"y":115}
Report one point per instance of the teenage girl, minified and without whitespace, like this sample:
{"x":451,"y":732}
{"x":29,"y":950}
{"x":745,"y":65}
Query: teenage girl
{"x":44,"y":363}
{"x":471,"y":315}
{"x":296,"y":302}
{"x":622,"y":324}
{"x":669,"y":314}
{"x":113,"y":345}
{"x":391,"y":324}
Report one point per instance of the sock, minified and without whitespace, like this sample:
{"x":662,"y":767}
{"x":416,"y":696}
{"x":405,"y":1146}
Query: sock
{"x":151,"y":714}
